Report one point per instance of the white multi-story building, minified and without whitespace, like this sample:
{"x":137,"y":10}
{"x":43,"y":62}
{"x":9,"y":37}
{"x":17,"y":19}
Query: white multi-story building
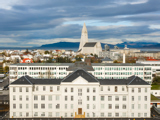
{"x":79,"y":95}
{"x":122,"y":71}
{"x":155,"y":66}
{"x":39,"y":70}
{"x":101,"y":70}
{"x":110,"y":54}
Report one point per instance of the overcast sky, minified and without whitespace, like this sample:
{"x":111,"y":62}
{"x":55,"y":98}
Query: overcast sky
{"x":36,"y":22}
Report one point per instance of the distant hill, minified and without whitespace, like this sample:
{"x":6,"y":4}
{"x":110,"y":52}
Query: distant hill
{"x":67,"y":45}
{"x":137,"y":44}
{"x":62,"y":45}
{"x":70,"y":45}
{"x":157,"y":46}
{"x":75,"y":46}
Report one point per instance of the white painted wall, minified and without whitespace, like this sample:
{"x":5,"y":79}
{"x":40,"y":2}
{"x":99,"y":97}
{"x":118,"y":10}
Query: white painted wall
{"x":100,"y":72}
{"x":81,"y":83}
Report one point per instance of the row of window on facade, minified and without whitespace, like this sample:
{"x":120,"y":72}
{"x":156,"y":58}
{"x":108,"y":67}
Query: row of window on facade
{"x":121,"y":68}
{"x":88,"y":106}
{"x":39,"y":68}
{"x":57,"y":114}
{"x":13,"y":68}
{"x":116,"y":88}
{"x":40,"y":73}
{"x":64,"y":68}
{"x":26,"y":89}
{"x":89,"y":98}
{"x":121,"y":73}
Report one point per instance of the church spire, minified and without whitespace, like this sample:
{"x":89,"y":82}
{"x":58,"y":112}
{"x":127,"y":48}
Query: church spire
{"x":84,"y":29}
{"x":84,"y":37}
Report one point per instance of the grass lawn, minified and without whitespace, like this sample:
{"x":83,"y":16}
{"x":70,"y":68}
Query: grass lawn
{"x":155,"y":87}
{"x":154,"y":98}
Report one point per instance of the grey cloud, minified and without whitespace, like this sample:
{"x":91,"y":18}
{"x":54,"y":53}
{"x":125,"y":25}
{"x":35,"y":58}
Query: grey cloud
{"x":45,"y":19}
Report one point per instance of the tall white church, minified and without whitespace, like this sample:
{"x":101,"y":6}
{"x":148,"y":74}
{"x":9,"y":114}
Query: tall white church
{"x":86,"y":47}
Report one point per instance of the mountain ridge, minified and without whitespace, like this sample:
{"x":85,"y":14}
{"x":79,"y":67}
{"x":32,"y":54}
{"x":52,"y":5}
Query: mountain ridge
{"x":120,"y":45}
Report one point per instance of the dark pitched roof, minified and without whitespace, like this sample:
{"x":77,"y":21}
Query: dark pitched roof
{"x":138,"y":81}
{"x":80,"y":72}
{"x":46,"y":81}
{"x":133,"y":80}
{"x":113,"y":81}
{"x":90,"y":44}
{"x":25,"y":80}
{"x":80,"y":65}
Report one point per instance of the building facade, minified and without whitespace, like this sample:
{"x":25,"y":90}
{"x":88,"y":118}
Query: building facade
{"x":79,"y":95}
{"x":153,"y":54}
{"x":122,"y":71}
{"x":101,"y":70}
{"x":155,"y":66}
{"x":110,"y":54}
{"x":86,"y":47}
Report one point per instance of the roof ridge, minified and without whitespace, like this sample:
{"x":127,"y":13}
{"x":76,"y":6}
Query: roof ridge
{"x":28,"y":80}
{"x":90,"y":75}
{"x":69,"y":75}
{"x":132,"y":80}
{"x":143,"y":80}
{"x":79,"y":75}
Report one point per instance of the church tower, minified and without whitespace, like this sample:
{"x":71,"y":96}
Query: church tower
{"x":84,"y":37}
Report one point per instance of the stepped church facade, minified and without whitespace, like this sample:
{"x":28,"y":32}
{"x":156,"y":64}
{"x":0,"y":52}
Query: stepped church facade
{"x":86,"y":47}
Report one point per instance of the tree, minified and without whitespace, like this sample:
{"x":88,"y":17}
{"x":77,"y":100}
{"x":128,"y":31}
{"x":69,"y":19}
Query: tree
{"x":156,"y":80}
{"x":6,"y":69}
{"x":46,"y":52}
{"x":38,"y":61}
{"x":130,"y":61}
{"x":78,"y":57}
{"x":49,"y":61}
{"x":115,"y":61}
{"x":96,"y":56}
{"x":63,"y":60}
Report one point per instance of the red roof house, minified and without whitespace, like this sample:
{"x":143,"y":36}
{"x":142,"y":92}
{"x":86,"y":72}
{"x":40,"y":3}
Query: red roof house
{"x":26,"y":60}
